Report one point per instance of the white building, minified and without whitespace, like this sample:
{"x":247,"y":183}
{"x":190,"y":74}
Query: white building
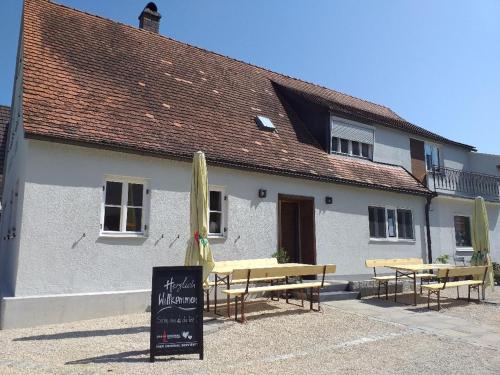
{"x":105,"y":119}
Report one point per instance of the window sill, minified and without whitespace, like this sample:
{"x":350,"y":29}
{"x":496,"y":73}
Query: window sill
{"x":387,"y":240}
{"x":122,"y":235}
{"x":216,"y":236}
{"x":465,"y":249}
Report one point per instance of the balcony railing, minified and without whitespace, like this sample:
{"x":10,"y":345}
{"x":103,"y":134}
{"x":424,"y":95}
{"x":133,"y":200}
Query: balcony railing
{"x":465,"y":184}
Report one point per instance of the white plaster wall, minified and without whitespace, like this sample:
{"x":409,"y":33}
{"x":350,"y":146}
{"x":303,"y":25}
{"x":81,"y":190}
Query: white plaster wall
{"x":13,"y":189}
{"x":443,"y":209}
{"x":455,"y":157}
{"x":63,"y":201}
{"x":485,"y":163}
{"x":392,"y":146}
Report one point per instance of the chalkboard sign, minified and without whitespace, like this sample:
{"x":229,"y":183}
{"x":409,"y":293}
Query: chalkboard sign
{"x":176,"y":311}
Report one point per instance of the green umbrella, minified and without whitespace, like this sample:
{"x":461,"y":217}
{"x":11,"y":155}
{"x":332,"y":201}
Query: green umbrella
{"x":198,"y":251}
{"x":481,"y":239}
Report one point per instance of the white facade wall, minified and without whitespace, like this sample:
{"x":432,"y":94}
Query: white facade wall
{"x":63,"y":201}
{"x":392,"y":146}
{"x":443,"y":210}
{"x":13,"y":189}
{"x":485,"y":163}
{"x":455,"y":157}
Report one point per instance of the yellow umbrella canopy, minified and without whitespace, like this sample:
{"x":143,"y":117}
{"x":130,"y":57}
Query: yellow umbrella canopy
{"x":198,"y":251}
{"x":481,"y":239}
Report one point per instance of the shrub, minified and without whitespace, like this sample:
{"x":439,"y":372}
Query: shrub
{"x":281,"y":255}
{"x":443,"y":258}
{"x":496,"y":272}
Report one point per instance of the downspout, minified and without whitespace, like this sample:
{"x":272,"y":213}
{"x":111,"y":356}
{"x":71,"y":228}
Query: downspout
{"x":428,"y":228}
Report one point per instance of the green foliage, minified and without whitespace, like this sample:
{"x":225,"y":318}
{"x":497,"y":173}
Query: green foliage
{"x":443,"y":258}
{"x":496,"y":272}
{"x":281,"y":255}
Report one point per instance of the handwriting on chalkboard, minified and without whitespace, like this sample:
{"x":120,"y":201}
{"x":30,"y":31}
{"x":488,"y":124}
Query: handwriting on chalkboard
{"x":167,"y":299}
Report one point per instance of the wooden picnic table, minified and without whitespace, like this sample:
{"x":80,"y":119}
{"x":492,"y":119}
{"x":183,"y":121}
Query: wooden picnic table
{"x":410,"y":271}
{"x":222,"y":274}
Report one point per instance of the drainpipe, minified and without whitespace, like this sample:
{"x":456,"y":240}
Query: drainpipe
{"x":428,"y":227}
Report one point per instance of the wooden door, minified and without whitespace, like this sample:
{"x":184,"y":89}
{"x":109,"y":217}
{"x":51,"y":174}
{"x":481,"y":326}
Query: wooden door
{"x":290,"y":230}
{"x":297,"y":228}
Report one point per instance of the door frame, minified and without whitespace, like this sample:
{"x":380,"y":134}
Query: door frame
{"x":298,"y":198}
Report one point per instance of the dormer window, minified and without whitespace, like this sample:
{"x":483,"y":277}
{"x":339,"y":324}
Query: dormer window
{"x":351,"y":139}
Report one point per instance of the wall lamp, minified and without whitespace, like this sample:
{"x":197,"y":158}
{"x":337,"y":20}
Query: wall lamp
{"x":262,"y":193}
{"x":328,"y":200}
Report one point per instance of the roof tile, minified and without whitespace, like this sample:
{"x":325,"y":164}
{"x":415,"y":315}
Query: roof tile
{"x":95,"y":81}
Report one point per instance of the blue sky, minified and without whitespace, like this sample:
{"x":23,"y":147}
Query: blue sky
{"x":436,"y":63}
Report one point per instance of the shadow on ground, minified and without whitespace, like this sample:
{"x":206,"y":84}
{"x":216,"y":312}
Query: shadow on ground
{"x":136,"y":356}
{"x":406,"y":301}
{"x":83,"y":334}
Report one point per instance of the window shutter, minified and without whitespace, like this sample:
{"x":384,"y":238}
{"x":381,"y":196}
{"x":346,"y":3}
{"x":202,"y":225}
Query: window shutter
{"x":352,"y":132}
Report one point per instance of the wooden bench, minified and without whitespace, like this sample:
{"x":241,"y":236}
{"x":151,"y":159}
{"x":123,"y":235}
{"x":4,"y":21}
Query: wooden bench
{"x":380,"y":263}
{"x":476,"y":273}
{"x":279,"y":272}
{"x":222,"y":272}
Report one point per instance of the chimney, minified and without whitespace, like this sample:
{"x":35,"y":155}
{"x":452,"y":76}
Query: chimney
{"x":150,"y":18}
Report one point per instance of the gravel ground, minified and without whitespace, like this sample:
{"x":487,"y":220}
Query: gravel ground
{"x":278,"y":338}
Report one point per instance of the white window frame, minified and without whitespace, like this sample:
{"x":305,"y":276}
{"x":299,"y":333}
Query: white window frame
{"x":146,"y":194}
{"x":223,"y":211}
{"x":462,"y":248}
{"x":349,"y":148}
{"x":396,"y":238}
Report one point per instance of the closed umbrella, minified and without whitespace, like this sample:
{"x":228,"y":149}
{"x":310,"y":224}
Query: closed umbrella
{"x":198,"y":251}
{"x":481,"y":239}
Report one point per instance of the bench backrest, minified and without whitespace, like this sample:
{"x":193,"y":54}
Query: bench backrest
{"x":372,"y":263}
{"x":286,"y":271}
{"x":243,"y":263}
{"x":475,"y":271}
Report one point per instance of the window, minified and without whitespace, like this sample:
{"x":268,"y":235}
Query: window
{"x":365,"y":150}
{"x":376,"y":217}
{"x":355,"y":148}
{"x":390,"y":223}
{"x":344,"y":146}
{"x":216,"y":201}
{"x":335,"y":144}
{"x":432,"y":157}
{"x":347,"y":147}
{"x":351,"y":138}
{"x":405,"y":224}
{"x":462,"y":231}
{"x":124,"y":206}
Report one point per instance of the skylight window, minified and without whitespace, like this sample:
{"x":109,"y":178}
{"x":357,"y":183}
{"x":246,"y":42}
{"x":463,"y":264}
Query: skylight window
{"x":265,"y":123}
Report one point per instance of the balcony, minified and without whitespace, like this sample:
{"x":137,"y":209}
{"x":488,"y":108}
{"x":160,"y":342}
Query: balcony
{"x":464,"y":184}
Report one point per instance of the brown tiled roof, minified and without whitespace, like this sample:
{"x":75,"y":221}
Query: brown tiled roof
{"x":4,"y":122}
{"x":94,"y":81}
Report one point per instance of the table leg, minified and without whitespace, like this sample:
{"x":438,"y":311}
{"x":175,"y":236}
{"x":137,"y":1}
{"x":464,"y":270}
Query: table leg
{"x":415,"y":288}
{"x":396,"y":287}
{"x":228,"y":300}
{"x":215,"y":293}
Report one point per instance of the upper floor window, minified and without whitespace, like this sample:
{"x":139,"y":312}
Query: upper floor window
{"x":432,"y":156}
{"x":124,"y":206}
{"x":351,"y":139}
{"x":216,"y":211}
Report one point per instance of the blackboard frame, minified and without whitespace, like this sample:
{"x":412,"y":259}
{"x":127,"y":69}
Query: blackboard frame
{"x":196,"y":272}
